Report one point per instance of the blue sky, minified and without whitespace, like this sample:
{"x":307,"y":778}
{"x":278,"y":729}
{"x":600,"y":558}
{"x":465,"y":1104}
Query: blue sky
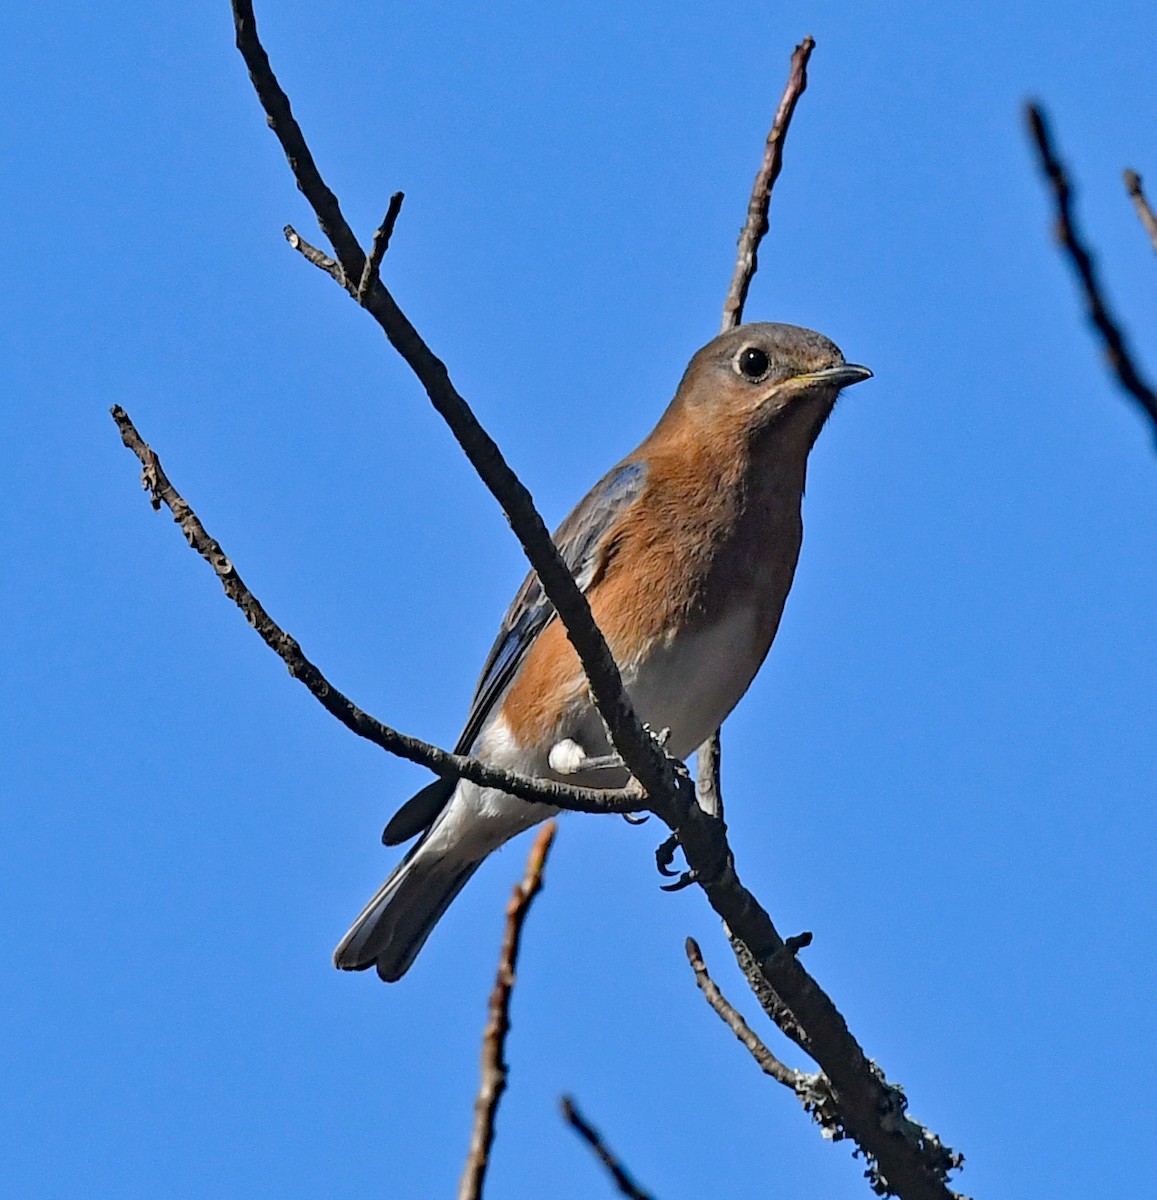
{"x":945,"y":770}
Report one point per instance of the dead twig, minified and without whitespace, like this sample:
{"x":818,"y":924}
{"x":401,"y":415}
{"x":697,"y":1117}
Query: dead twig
{"x":768,"y":1063}
{"x":312,"y":254}
{"x":626,"y":1185}
{"x":708,"y":755}
{"x":161,"y":491}
{"x":379,"y":246}
{"x":494,"y":1069}
{"x":756,"y":224}
{"x":1141,"y":204}
{"x":1067,"y":234}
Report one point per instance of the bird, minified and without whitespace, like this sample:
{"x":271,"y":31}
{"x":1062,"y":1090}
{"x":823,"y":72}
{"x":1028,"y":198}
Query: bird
{"x":686,"y":550}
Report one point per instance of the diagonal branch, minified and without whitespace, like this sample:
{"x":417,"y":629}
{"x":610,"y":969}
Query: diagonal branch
{"x":1120,"y":360}
{"x":312,"y":254}
{"x":768,"y":1063}
{"x":812,"y":1088}
{"x":643,"y":757}
{"x":494,"y":1067}
{"x":339,"y":705}
{"x":1141,"y":204}
{"x":589,"y":1134}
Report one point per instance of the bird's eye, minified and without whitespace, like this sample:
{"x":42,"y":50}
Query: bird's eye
{"x":753,"y":364}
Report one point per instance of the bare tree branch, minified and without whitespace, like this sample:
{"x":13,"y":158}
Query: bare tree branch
{"x":312,"y":254}
{"x":812,"y":1088}
{"x":1069,"y":237}
{"x":494,"y":1067}
{"x":379,"y":247}
{"x":645,"y":760}
{"x":771,"y":1004}
{"x":626,"y":1185}
{"x":756,"y":224}
{"x":709,"y":755}
{"x":1141,"y":204}
{"x":161,"y":490}
{"x":768,"y":1063}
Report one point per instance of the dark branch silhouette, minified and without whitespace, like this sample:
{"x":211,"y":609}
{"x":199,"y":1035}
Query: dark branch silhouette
{"x":494,"y":1067}
{"x":161,"y":490}
{"x":589,"y":1134}
{"x":812,"y":1088}
{"x":1067,"y":234}
{"x":756,"y":225}
{"x":378,"y":247}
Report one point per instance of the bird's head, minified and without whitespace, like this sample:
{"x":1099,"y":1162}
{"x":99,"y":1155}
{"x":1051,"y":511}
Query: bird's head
{"x":764,"y":374}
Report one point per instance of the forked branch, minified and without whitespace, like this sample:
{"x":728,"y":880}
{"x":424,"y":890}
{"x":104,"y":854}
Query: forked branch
{"x":646,"y":761}
{"x":161,"y":491}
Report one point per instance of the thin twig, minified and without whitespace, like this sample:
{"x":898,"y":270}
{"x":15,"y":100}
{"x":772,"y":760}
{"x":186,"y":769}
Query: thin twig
{"x":813,"y":1089}
{"x":768,"y":1063}
{"x":756,"y":224}
{"x":378,"y":248}
{"x":1141,"y":204}
{"x":1070,"y":239}
{"x":312,"y":254}
{"x":708,"y":755}
{"x":494,"y":1069}
{"x":626,"y":1185}
{"x":351,"y":716}
{"x":645,"y":760}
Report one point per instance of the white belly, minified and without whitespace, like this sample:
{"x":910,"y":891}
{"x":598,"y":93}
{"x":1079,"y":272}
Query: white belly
{"x":690,"y":684}
{"x":687,"y":685}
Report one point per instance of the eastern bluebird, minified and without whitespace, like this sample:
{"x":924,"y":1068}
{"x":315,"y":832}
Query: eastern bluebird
{"x":686,"y":551}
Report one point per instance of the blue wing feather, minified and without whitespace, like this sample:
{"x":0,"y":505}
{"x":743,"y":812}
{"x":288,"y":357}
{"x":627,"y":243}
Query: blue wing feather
{"x":580,"y":541}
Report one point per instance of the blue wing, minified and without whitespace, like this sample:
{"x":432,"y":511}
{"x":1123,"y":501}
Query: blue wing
{"x":580,"y":541}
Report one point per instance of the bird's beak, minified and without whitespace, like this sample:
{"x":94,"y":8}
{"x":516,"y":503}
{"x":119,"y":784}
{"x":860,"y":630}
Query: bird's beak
{"x":839,"y":377}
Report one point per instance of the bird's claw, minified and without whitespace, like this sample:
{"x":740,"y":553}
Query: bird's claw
{"x":636,"y":818}
{"x":665,"y":856}
{"x":684,"y":880}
